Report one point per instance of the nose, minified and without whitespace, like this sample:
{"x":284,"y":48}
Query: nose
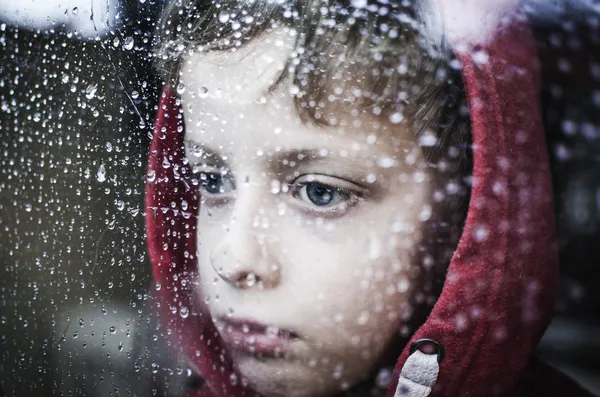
{"x":243,"y":258}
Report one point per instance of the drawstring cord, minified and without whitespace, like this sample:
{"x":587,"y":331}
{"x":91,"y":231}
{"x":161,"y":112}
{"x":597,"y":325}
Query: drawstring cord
{"x":420,"y":371}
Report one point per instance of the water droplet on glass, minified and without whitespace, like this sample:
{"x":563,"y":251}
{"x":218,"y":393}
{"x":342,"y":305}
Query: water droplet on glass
{"x":112,"y":329}
{"x":101,"y":174}
{"x":180,"y":88}
{"x":75,"y":11}
{"x":428,"y":139}
{"x":203,"y":92}
{"x":275,"y":186}
{"x":224,"y":17}
{"x":386,"y":162}
{"x":363,"y":318}
{"x":90,"y":91}
{"x":184,"y":312}
{"x":396,"y":117}
{"x":481,"y":57}
{"x":359,"y":3}
{"x":480,"y":233}
{"x":250,"y":279}
{"x":425,"y":213}
{"x":151,"y":176}
{"x":116,"y":42}
{"x":128,"y":43}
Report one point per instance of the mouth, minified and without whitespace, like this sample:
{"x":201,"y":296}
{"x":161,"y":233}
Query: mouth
{"x":252,"y":338}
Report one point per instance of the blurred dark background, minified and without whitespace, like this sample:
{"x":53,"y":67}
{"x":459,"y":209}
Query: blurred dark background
{"x":75,"y":123}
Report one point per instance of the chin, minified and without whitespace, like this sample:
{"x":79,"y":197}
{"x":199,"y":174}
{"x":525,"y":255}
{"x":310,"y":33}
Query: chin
{"x":277,"y":377}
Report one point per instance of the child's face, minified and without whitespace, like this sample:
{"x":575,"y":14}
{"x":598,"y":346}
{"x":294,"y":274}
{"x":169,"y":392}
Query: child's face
{"x":306,"y":234}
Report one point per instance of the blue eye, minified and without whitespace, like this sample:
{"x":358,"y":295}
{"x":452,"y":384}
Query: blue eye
{"x":215,"y":184}
{"x":320,"y":194}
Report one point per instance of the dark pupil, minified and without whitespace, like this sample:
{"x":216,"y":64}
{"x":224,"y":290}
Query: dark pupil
{"x":213,"y":183}
{"x":319,"y":194}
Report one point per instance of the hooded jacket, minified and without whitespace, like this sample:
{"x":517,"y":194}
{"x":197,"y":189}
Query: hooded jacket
{"x":499,"y":291}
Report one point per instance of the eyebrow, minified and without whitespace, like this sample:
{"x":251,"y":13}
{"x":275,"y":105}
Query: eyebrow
{"x":296,"y":155}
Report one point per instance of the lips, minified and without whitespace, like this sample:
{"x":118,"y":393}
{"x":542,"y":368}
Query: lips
{"x":254,"y":338}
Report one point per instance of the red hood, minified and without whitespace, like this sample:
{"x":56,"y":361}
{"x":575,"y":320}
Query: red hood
{"x":499,"y":290}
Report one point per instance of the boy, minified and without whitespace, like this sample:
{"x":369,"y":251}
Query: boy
{"x":307,"y":185}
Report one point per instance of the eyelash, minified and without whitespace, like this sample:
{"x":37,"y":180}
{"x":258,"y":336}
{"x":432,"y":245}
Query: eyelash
{"x":346,"y":197}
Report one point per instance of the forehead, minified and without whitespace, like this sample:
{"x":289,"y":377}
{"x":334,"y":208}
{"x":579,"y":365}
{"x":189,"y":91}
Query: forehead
{"x":242,"y":76}
{"x":227,"y":96}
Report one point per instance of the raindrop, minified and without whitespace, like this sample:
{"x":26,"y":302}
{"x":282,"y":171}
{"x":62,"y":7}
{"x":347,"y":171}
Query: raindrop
{"x":272,"y":332}
{"x":128,"y":43}
{"x":233,"y":379}
{"x":112,"y":329}
{"x":135,"y":94}
{"x":403,"y":285}
{"x":116,"y":42}
{"x":101,"y":174}
{"x":428,"y":139}
{"x":180,"y":88}
{"x":184,"y":312}
{"x":275,"y":186}
{"x":224,"y":17}
{"x":203,"y":92}
{"x":359,"y":3}
{"x":109,"y":147}
{"x":28,"y":207}
{"x":250,"y":279}
{"x":386,"y":162}
{"x":480,"y":233}
{"x":90,"y":91}
{"x":363,"y":318}
{"x":75,"y":11}
{"x":397,"y":117}
{"x":383,"y":378}
{"x":425,"y":213}
{"x":151,"y":176}
{"x":481,"y":57}
{"x":374,"y":247}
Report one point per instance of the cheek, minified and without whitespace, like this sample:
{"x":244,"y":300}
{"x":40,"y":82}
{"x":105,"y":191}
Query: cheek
{"x":208,"y":235}
{"x":354,"y":277}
